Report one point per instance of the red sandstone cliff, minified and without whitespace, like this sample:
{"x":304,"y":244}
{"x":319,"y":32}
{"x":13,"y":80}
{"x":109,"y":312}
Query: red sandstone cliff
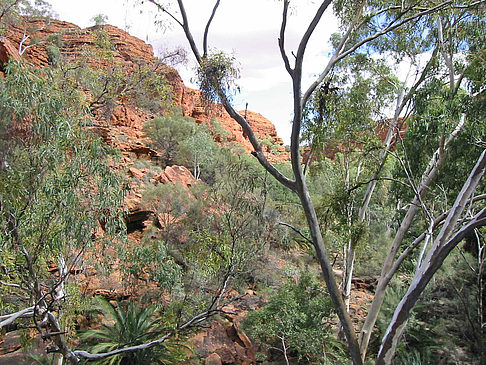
{"x":127,"y":50}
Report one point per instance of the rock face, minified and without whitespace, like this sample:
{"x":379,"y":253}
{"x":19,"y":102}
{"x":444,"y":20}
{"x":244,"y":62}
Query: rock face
{"x":224,"y":342}
{"x":124,"y":129}
{"x":127,"y":51}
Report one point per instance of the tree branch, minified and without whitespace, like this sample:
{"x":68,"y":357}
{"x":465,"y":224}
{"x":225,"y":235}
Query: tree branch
{"x":7,"y":8}
{"x":206,"y":30}
{"x":164,"y":10}
{"x":332,"y":61}
{"x":435,"y":257}
{"x":296,"y":231}
{"x":10,"y":318}
{"x":258,"y":153}
{"x":281,"y":39}
{"x":187,"y":31}
{"x":337,"y":56}
{"x":192,"y":322}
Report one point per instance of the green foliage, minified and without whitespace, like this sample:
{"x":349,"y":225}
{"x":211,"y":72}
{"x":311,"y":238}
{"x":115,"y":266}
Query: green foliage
{"x":104,"y":47}
{"x":299,"y":316}
{"x":53,"y":54}
{"x":151,"y":261}
{"x":197,"y":150}
{"x":218,"y":73}
{"x":131,"y":325}
{"x":109,"y":83}
{"x":47,"y":360}
{"x":216,"y":230}
{"x":168,"y":132}
{"x":437,"y":114}
{"x":51,"y":163}
{"x":408,"y":40}
{"x":219,"y":133}
{"x":421,"y":337}
{"x":233,"y":230}
{"x":345,"y":109}
{"x":56,"y":188}
{"x":184,"y":142}
{"x":446,"y":322}
{"x":99,"y":19}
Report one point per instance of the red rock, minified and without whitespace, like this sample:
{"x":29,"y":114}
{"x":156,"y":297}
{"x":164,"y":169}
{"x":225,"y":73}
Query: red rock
{"x":213,"y":359}
{"x":7,"y":51}
{"x":161,"y":178}
{"x":226,"y":355}
{"x":243,"y":337}
{"x":139,"y":174}
{"x":127,"y":50}
{"x":179,"y":174}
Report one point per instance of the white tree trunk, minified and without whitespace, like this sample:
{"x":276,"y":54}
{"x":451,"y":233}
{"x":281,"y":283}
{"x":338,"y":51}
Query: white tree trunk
{"x":441,"y":247}
{"x":428,"y":176}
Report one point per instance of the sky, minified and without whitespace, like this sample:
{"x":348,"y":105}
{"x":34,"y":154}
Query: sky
{"x":248,"y":30}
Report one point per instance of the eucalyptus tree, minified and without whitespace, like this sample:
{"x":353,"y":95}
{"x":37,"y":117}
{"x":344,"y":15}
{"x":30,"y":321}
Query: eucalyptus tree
{"x":56,"y":188}
{"x":346,"y":117}
{"x":362,"y":23}
{"x":440,"y":104}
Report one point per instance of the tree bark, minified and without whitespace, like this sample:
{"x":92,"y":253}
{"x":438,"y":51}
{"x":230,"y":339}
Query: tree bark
{"x":440,"y":249}
{"x":435,"y":162}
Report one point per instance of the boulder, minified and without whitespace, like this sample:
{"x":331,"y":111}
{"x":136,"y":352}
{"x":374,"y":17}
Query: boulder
{"x":213,"y":359}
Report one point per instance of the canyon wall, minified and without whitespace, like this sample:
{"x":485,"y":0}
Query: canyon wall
{"x":128,"y":51}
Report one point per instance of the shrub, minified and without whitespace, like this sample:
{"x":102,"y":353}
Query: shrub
{"x":298,"y":321}
{"x":131,"y":325}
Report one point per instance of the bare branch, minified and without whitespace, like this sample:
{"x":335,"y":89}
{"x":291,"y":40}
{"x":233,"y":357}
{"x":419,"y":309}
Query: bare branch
{"x":187,"y":31}
{"x":332,"y":61}
{"x":206,"y":30}
{"x":281,"y":40}
{"x":258,"y":153}
{"x":377,"y":179}
{"x":164,"y":10}
{"x":192,"y":322}
{"x":10,"y":284}
{"x":337,"y":56}
{"x":392,"y":26}
{"x":296,"y":231}
{"x":10,"y":318}
{"x":435,"y":257}
{"x":310,"y":29}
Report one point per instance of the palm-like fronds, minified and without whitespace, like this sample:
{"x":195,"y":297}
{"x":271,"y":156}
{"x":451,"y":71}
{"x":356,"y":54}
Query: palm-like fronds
{"x":128,"y":326}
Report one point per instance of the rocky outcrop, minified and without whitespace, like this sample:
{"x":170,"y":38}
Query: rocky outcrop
{"x":73,"y":41}
{"x":127,"y":51}
{"x":194,"y":106}
{"x":7,"y":51}
{"x":224,"y":342}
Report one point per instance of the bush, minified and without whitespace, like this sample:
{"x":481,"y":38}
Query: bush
{"x":298,"y":321}
{"x":131,"y":325}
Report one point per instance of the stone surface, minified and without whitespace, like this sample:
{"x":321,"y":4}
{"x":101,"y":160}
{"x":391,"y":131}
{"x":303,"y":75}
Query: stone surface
{"x":213,"y":359}
{"x":224,"y":342}
{"x":127,"y":51}
{"x":7,"y":51}
{"x":179,"y":174}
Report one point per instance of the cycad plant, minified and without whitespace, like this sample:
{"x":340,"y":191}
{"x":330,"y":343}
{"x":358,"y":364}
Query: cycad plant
{"x":130,"y":325}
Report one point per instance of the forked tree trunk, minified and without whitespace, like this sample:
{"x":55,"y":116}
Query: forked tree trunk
{"x":441,"y":248}
{"x":428,"y":176}
{"x":392,"y":132}
{"x":328,"y":274}
{"x":299,"y":100}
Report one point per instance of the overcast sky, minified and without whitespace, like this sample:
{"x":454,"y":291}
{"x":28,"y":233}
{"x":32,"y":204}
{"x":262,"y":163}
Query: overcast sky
{"x":247,"y":29}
